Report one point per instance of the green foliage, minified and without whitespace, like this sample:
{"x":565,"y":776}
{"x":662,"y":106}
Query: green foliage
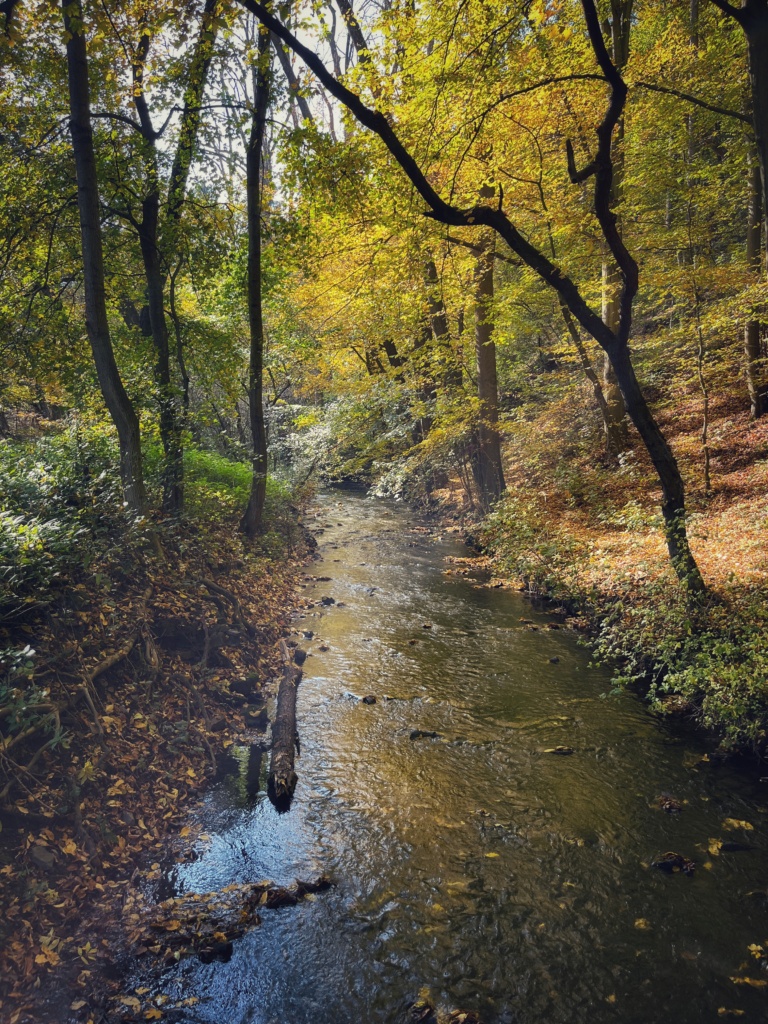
{"x":532,"y":546}
{"x":714,"y":656}
{"x":60,"y":494}
{"x":215,"y":481}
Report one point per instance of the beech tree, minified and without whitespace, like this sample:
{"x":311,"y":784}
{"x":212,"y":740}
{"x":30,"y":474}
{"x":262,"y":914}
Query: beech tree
{"x":97,"y":324}
{"x":600,"y":167}
{"x":252,"y":518}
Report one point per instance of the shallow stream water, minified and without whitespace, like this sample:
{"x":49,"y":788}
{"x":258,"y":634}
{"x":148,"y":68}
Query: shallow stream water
{"x":498,"y":876}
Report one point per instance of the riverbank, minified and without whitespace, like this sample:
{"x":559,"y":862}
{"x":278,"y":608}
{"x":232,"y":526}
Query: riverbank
{"x":124,"y":680}
{"x":590,"y":539}
{"x":492,"y":807}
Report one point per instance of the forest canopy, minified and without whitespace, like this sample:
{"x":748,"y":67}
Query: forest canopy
{"x":509,"y":256}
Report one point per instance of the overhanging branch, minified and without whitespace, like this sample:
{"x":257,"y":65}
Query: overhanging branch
{"x":725,"y":111}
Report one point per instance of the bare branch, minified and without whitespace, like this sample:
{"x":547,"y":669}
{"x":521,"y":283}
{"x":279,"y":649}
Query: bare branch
{"x":122,"y":118}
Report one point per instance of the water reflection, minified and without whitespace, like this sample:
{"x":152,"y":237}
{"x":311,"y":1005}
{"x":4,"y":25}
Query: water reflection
{"x":476,"y":863}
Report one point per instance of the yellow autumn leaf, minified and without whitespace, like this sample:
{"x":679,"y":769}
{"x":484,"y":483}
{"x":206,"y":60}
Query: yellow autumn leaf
{"x":714,"y":846}
{"x":48,"y":956}
{"x":69,"y":846}
{"x":752,"y":982}
{"x":185,"y":831}
{"x":642,"y":924}
{"x":734,"y":823}
{"x":153,"y":1014}
{"x":491,"y":855}
{"x":172,"y":926}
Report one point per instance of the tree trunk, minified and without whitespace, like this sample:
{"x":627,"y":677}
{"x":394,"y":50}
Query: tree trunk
{"x":294,"y":87}
{"x":615,"y":413}
{"x":615,"y":417}
{"x":755,"y":25}
{"x":438,"y":318}
{"x":586,"y":365}
{"x":667,"y":470}
{"x":170,"y":427}
{"x":756,"y":382}
{"x":97,"y":324}
{"x":156,"y":276}
{"x":252,"y":521}
{"x":487,"y":465}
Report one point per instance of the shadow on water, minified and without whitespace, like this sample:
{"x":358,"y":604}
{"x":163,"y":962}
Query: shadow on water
{"x":471,"y":859}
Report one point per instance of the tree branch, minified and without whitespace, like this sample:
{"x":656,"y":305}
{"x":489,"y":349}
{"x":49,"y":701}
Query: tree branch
{"x":729,"y":9}
{"x":695,"y":100}
{"x":439,"y":209}
{"x":577,"y":176}
{"x":122,"y":118}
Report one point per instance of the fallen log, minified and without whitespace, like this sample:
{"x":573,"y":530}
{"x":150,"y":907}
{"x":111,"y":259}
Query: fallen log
{"x":282,"y":777}
{"x":207,"y":923}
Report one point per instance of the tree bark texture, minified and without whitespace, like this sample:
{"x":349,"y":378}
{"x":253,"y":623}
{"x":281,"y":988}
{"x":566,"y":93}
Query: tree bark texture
{"x":97,"y":324}
{"x":757,"y":386}
{"x":253,"y":516}
{"x":487,"y":464}
{"x":282,"y":775}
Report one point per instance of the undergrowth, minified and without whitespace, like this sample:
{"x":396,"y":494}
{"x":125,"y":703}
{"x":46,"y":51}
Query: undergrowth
{"x":712,"y":654}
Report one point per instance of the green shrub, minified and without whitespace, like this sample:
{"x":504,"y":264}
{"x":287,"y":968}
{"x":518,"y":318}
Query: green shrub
{"x":714,"y":655}
{"x":530,"y":546}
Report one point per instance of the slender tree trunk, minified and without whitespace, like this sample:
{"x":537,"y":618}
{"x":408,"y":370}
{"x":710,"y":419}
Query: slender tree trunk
{"x":667,"y":470}
{"x":752,"y":15}
{"x":487,"y":465}
{"x":170,"y":426}
{"x":156,"y":276}
{"x":616,"y":433}
{"x":294,"y":88}
{"x":615,"y":413}
{"x":756,"y":28}
{"x":252,"y":521}
{"x":756,"y":376}
{"x":97,"y":324}
{"x":586,"y":365}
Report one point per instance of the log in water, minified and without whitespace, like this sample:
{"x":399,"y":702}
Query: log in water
{"x":472,"y":862}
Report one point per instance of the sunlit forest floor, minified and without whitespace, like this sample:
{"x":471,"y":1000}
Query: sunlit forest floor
{"x":585,"y":529}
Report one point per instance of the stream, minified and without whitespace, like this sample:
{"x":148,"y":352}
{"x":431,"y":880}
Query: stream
{"x":476,"y":866}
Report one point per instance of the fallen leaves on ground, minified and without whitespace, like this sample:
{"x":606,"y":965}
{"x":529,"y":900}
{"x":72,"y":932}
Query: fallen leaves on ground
{"x":98,"y":806}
